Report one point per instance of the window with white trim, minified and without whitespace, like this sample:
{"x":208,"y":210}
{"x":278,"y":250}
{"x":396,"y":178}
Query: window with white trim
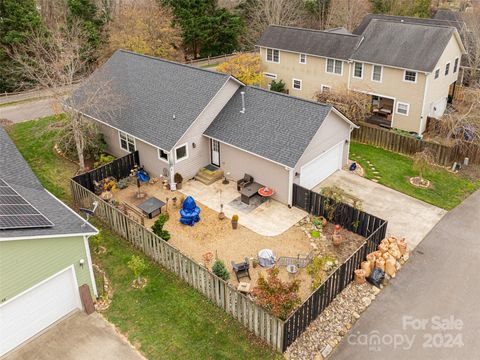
{"x":297,"y":84}
{"x":447,"y":69}
{"x":302,"y":58}
{"x":410,"y":76}
{"x":127,"y":142}
{"x":270,"y":75}
{"x":358,"y":70}
{"x":377,"y":73}
{"x":163,"y":155}
{"x":437,"y":73}
{"x":334,"y":66}
{"x":273,"y":55}
{"x":181,"y":153}
{"x":325,"y":88}
{"x":455,"y":66}
{"x":402,"y":108}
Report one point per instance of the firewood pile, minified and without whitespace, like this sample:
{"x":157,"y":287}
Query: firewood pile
{"x":386,"y":261}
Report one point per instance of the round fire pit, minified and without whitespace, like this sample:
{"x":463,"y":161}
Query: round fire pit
{"x":292,"y":269}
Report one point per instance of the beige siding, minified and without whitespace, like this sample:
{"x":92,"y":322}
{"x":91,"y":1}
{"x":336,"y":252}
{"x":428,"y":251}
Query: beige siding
{"x":200,"y":155}
{"x":238,"y":162}
{"x":312,"y":73}
{"x":333,"y":130}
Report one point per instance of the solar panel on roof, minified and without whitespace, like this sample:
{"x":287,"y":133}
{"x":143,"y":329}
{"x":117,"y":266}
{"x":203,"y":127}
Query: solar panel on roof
{"x":18,"y":213}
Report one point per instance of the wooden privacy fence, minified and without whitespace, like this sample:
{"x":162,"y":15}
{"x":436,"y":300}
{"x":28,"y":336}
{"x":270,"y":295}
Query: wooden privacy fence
{"x":389,"y":140}
{"x":118,"y":168}
{"x":246,"y":311}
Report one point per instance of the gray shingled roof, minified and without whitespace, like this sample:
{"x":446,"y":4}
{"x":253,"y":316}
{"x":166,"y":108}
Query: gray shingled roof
{"x":275,"y":126}
{"x":408,"y":46}
{"x":314,"y":42}
{"x":16,"y":172}
{"x":152,"y":91}
{"x":405,"y":19}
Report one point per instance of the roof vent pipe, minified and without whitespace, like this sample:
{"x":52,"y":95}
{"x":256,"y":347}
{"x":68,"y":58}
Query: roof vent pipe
{"x":243,"y":102}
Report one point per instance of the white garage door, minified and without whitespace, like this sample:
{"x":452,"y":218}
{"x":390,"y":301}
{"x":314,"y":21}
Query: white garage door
{"x":322,"y":167}
{"x":37,"y":308}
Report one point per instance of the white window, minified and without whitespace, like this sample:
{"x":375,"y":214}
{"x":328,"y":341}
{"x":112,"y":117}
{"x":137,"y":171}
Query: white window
{"x":403,"y":108}
{"x":181,"y":153}
{"x":302,"y":58}
{"x":455,"y":66}
{"x":377,"y":73}
{"x":334,"y":66}
{"x":163,"y":155}
{"x":273,"y":55}
{"x":127,"y":142}
{"x":270,"y":75}
{"x":410,"y":76}
{"x":437,"y":73}
{"x":447,"y":69}
{"x":358,"y":70}
{"x":325,"y":88}
{"x":297,"y":84}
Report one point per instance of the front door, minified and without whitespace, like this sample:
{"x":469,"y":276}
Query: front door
{"x":215,"y":146}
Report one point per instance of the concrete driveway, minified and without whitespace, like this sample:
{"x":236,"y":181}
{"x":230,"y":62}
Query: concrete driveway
{"x":30,"y":110}
{"x":430,"y":310}
{"x":78,"y":337}
{"x":407,"y":217}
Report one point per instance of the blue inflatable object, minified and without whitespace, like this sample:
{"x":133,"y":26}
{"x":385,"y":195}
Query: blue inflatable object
{"x":143,"y":176}
{"x":353,"y":166}
{"x":190,"y":212}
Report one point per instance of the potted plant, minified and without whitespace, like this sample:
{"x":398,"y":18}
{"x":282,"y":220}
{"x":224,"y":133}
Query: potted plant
{"x":178,"y":180}
{"x":337,"y":238}
{"x":221,"y":215}
{"x":234,"y":221}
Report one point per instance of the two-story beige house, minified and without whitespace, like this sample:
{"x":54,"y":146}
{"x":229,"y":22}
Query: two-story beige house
{"x":408,"y":69}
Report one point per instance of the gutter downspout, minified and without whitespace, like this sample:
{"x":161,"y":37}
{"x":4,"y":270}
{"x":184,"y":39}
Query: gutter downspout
{"x":422,"y":118}
{"x":290,"y":187}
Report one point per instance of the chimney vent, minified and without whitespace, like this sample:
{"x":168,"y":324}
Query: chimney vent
{"x":243,"y":102}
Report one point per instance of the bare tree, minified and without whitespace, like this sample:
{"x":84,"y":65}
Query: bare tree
{"x":353,"y":104}
{"x":422,"y":162}
{"x":347,"y":13}
{"x":56,"y":61}
{"x":471,"y":39}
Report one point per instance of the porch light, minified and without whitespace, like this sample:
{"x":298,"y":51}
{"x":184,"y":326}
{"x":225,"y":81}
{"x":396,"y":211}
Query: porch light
{"x":82,"y":263}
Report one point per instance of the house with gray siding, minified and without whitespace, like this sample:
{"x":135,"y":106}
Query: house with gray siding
{"x":184,"y":119}
{"x":44,"y":253}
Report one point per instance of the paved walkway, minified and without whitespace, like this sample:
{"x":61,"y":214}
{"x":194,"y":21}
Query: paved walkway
{"x":29,"y":110}
{"x":78,"y":337}
{"x":407,"y":217}
{"x":439,"y":286}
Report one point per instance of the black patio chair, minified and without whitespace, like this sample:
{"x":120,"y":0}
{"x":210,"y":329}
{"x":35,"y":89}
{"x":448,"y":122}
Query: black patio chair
{"x":247,"y":180}
{"x":242,"y":269}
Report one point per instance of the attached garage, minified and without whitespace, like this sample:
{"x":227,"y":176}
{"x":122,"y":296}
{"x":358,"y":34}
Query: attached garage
{"x":317,"y":170}
{"x":37,"y":308}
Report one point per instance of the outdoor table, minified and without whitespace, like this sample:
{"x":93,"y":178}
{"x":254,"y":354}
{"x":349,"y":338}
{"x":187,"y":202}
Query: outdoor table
{"x":266,"y":191}
{"x":151,"y":207}
{"x":248,"y":191}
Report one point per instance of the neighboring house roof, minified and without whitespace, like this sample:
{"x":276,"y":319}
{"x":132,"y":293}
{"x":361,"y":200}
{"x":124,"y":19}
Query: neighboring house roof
{"x":404,"y":19}
{"x":160,"y":99}
{"x":274,"y":126}
{"x":314,"y":42}
{"x":15,"y":171}
{"x":447,"y":14}
{"x":407,"y":46}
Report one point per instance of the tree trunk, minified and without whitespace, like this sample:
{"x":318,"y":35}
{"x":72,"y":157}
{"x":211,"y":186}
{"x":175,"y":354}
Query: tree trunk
{"x":79,"y":143}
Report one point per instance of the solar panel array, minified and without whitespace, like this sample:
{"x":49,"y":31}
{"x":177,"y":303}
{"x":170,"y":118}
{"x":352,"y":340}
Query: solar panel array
{"x":18,"y":213}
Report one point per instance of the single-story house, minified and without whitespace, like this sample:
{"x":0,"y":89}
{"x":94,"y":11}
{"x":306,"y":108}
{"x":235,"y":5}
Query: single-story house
{"x":44,"y":253}
{"x":181,"y":119}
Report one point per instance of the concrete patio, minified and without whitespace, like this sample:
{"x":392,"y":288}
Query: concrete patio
{"x":407,"y":217}
{"x":270,"y":218}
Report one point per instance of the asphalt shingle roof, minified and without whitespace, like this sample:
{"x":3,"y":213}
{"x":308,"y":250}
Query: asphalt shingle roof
{"x":16,"y":172}
{"x":408,"y":46}
{"x":275,"y":126}
{"x":315,"y":42}
{"x":152,"y":91}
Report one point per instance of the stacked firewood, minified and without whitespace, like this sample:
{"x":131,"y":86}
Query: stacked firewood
{"x":391,"y":254}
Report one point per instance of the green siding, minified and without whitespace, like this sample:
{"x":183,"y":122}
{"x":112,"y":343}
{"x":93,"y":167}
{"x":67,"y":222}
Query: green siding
{"x":24,"y":263}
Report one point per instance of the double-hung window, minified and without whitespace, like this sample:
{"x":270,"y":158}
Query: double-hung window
{"x":437,"y":73}
{"x":297,"y":84}
{"x":410,"y":76}
{"x":402,"y":108}
{"x":127,"y":142}
{"x":273,"y":55}
{"x":377,"y":73}
{"x":302,"y":58}
{"x":334,"y":66}
{"x":358,"y":70}
{"x":455,"y":66}
{"x":447,"y":69}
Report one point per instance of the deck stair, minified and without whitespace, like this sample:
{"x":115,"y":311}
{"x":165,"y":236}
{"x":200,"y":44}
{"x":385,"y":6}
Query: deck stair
{"x":209,"y":174}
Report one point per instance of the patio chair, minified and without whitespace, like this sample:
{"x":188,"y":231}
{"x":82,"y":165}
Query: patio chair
{"x":241,"y":269}
{"x":247,"y":180}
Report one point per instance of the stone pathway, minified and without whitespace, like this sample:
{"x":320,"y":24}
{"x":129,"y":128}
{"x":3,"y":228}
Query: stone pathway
{"x":377,"y":176}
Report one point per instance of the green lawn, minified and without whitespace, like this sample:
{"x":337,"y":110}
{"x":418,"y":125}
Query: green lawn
{"x":448,"y":189}
{"x":165,"y":320}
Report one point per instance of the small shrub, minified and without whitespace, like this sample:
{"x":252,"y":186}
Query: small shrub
{"x":318,"y":269}
{"x":157,"y":227}
{"x":277,"y":86}
{"x":235,"y":218}
{"x":315,"y":233}
{"x":317,"y":222}
{"x":178,"y":178}
{"x":103,"y":159}
{"x":96,"y":241}
{"x":138,"y":266}
{"x":220,"y":270}
{"x":275,"y":295}
{"x":123,"y":183}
